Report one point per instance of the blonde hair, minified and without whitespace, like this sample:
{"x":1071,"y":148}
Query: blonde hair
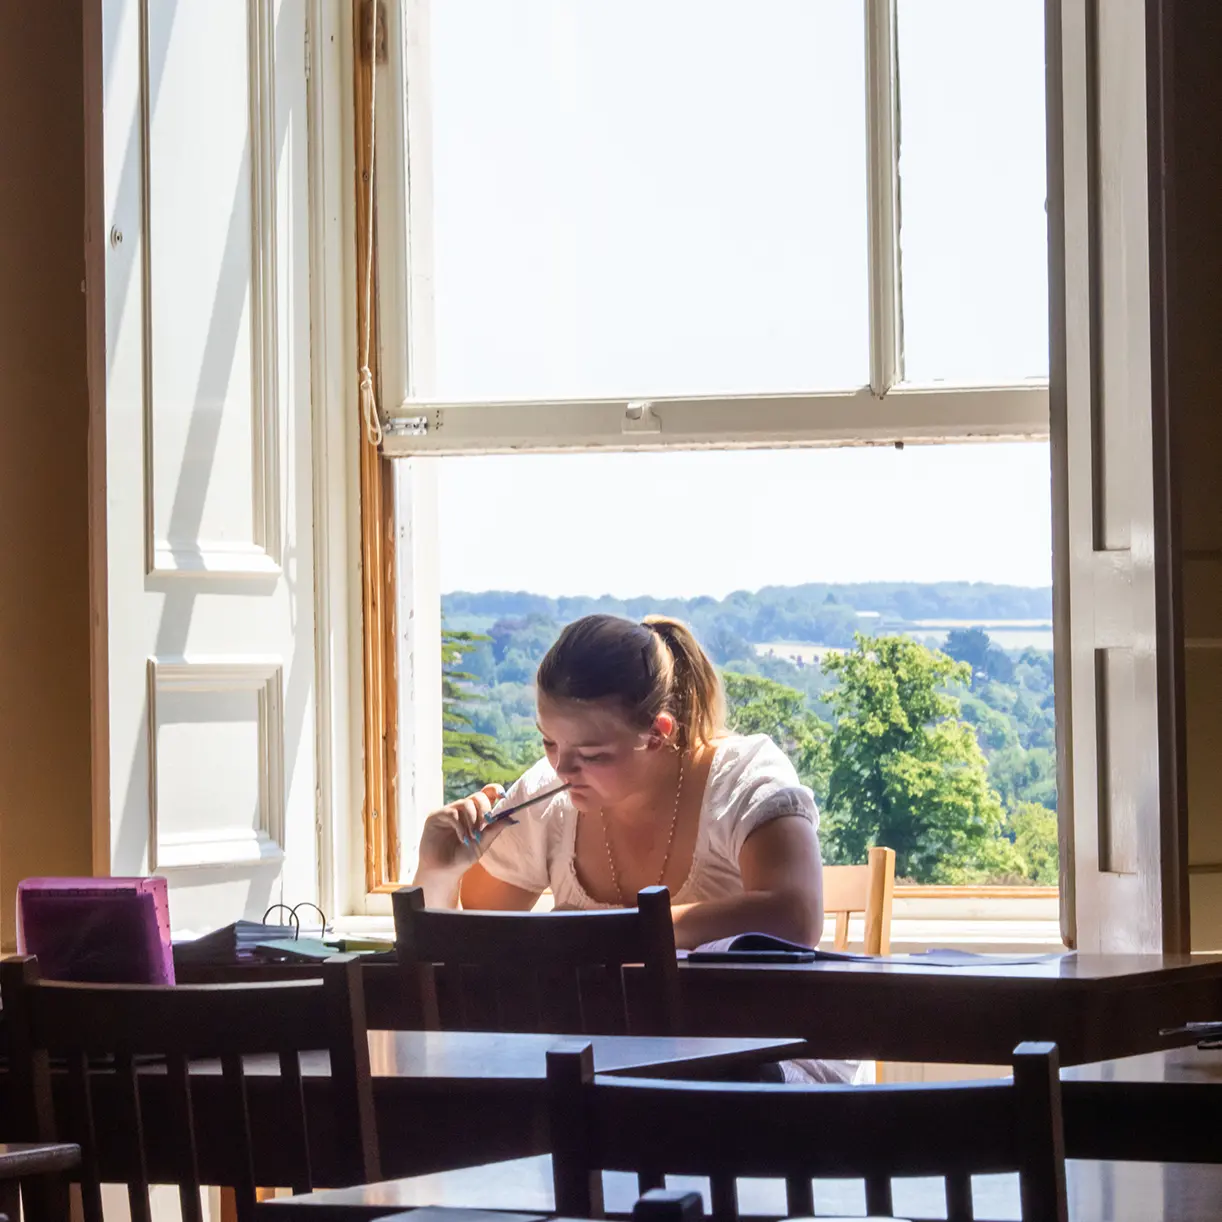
{"x":656,"y":666}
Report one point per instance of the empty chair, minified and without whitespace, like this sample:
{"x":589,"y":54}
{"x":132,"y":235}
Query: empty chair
{"x":539,"y":971}
{"x":867,"y":889}
{"x":798,"y":1133}
{"x":114,"y":1043}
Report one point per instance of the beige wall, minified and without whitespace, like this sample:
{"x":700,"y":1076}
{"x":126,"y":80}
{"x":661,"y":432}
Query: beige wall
{"x":1196,"y":356}
{"x":44,"y":647}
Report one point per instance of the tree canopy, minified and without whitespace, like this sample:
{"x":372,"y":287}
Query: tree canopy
{"x":905,"y":770}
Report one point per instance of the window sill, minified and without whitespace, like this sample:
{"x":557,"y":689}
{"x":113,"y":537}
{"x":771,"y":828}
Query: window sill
{"x":1009,"y":920}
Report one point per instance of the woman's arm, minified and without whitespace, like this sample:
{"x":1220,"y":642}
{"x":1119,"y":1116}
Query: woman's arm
{"x":451,"y":844}
{"x":480,"y":890}
{"x":782,"y":890}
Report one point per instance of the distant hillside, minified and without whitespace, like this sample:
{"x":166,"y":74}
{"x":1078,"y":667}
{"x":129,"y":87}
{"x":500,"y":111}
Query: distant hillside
{"x":822,"y":612}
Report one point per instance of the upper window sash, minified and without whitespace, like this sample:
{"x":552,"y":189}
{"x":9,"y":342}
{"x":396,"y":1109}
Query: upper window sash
{"x":886,"y":409}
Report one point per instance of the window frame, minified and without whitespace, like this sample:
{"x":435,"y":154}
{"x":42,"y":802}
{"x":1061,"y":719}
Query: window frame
{"x":889,"y":410}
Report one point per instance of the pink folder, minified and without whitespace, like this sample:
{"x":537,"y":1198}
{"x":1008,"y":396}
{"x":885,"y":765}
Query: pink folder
{"x":97,"y":930}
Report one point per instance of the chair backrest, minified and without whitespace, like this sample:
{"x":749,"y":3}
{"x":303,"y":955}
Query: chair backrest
{"x":119,"y":1042}
{"x":867,"y":889}
{"x":724,"y":1130}
{"x":539,"y":971}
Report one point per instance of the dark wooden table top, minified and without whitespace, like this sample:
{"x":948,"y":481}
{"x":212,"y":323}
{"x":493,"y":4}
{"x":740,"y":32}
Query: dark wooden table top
{"x":461,"y":1059}
{"x":1099,"y":1191}
{"x":1095,"y":1007}
{"x":462,"y":1056}
{"x":1067,"y":969}
{"x":1190,"y":1067}
{"x":1165,"y":1106}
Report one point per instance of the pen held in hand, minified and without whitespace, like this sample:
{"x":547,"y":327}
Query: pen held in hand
{"x":499,"y":816}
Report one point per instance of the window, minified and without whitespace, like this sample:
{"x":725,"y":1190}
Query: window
{"x":678,"y":224}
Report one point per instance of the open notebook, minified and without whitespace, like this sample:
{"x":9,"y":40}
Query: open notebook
{"x":761,"y":948}
{"x":767,"y":948}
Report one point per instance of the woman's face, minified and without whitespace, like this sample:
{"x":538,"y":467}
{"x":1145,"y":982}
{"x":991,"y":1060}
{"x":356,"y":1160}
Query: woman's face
{"x":594,"y":748}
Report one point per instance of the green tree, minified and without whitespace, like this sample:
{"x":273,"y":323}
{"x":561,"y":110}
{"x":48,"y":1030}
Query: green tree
{"x":1024,"y":776}
{"x":1034,"y":829}
{"x":906,"y":772}
{"x":755,"y":705}
{"x":994,"y":730}
{"x":469,"y":759}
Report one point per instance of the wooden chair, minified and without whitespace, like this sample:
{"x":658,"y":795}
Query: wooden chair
{"x":37,"y":1170}
{"x":538,"y":971}
{"x":104,"y":1034}
{"x":727,"y":1130}
{"x":867,"y":889}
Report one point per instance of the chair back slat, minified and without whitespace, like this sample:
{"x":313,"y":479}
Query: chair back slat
{"x":649,"y":1179}
{"x":878,"y":1195}
{"x":576,"y":1181}
{"x":88,"y":1024}
{"x":604,"y":1004}
{"x":727,"y":1130}
{"x":723,"y":1196}
{"x":178,"y":1073}
{"x":561,"y":999}
{"x":237,"y":1115}
{"x":799,"y":1196}
{"x":129,"y":1086}
{"x":959,"y":1207}
{"x":1037,"y":1079}
{"x":867,"y":889}
{"x":527,"y":971}
{"x":81,"y":1094}
{"x":293,"y":1134}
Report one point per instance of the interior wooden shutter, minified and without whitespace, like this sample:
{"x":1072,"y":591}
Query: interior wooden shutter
{"x":1124,"y":885}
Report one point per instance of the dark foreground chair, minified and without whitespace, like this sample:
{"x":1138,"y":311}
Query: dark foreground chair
{"x":798,"y":1133}
{"x":111,"y":1045}
{"x":539,"y":971}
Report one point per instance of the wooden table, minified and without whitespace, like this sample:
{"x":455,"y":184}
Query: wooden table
{"x":1098,"y":1191}
{"x":1165,"y":1106}
{"x":443,"y":1099}
{"x":1095,"y":1007}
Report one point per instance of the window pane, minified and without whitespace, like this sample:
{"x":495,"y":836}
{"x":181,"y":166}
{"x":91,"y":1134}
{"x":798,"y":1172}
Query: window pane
{"x":972,"y":186}
{"x":640,"y":197}
{"x":777,"y":591}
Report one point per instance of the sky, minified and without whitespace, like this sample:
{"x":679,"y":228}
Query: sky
{"x":709,"y":522}
{"x":598,"y":215}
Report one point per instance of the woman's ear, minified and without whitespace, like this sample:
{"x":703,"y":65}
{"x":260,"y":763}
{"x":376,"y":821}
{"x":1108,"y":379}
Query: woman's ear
{"x":662,"y":732}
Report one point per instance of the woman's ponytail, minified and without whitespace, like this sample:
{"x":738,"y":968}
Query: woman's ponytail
{"x":697,"y":698}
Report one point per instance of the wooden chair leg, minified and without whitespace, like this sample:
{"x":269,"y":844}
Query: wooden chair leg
{"x":10,"y":1200}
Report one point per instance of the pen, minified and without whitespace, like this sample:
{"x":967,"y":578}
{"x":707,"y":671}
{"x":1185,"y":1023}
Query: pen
{"x":499,"y":816}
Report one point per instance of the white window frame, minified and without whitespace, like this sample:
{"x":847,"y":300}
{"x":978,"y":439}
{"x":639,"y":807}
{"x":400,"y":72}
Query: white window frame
{"x":889,"y":410}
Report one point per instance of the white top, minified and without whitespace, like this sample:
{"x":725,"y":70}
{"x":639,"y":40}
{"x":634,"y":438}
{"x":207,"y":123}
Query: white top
{"x":750,"y":782}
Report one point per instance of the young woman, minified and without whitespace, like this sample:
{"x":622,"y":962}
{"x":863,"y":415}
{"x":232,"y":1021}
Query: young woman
{"x":632,"y":717}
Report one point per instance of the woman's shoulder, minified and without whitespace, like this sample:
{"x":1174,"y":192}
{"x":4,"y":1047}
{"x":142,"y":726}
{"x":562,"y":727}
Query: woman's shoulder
{"x":737,"y":755}
{"x":751,"y":782}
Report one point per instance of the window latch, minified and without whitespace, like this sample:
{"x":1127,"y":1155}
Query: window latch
{"x":407,"y":426}
{"x":639,"y":417}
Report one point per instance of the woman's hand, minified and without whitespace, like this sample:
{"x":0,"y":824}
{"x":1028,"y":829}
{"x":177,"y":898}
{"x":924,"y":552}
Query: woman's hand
{"x":455,"y":837}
